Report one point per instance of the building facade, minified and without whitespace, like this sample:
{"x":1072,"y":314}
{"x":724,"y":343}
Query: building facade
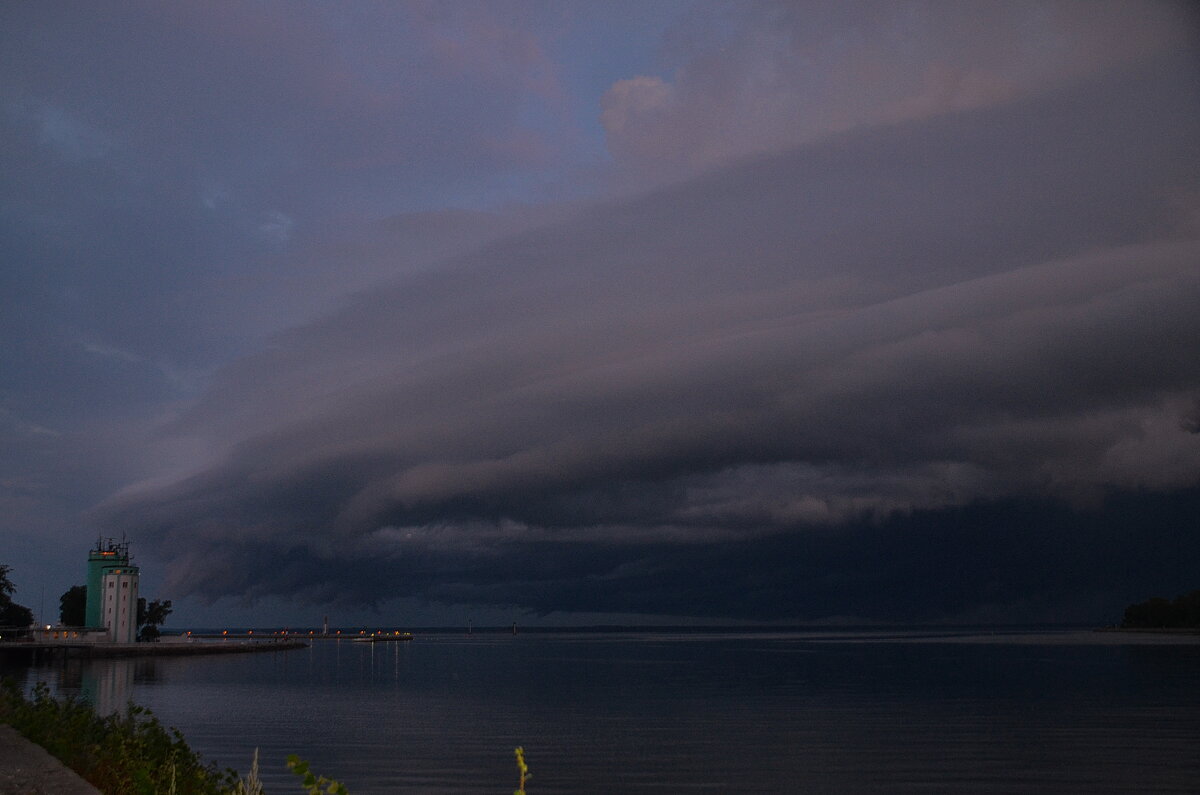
{"x":120,"y":604}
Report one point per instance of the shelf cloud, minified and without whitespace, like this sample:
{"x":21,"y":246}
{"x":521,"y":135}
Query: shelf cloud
{"x":806,"y":376}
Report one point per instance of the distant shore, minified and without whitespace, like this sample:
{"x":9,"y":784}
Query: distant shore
{"x":1153,"y":630}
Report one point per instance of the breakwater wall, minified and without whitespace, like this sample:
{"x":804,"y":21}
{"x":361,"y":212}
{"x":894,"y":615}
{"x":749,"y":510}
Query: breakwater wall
{"x":37,"y":652}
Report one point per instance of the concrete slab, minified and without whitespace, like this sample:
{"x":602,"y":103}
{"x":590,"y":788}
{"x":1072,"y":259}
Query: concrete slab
{"x":28,"y":769}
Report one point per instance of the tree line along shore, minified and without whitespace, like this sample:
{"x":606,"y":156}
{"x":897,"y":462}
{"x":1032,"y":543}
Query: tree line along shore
{"x":1182,"y":612}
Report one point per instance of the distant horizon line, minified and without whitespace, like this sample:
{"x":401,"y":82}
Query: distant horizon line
{"x":602,"y":627}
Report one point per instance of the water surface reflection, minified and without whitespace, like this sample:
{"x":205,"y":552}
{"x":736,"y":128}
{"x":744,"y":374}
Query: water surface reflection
{"x":642,"y":712}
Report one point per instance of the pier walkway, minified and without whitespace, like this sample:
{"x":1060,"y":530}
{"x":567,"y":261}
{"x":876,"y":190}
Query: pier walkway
{"x":28,"y":769}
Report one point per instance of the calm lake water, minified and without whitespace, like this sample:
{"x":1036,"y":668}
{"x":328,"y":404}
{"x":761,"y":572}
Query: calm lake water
{"x":669,"y":712}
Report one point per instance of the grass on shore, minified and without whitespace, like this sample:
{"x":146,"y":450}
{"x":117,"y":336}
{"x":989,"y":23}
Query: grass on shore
{"x":132,"y":753}
{"x":127,"y":753}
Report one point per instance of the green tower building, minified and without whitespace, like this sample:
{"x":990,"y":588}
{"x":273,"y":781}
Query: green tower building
{"x":106,"y":557}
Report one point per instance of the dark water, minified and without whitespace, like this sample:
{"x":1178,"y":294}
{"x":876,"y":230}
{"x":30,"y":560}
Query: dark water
{"x":663,"y":712}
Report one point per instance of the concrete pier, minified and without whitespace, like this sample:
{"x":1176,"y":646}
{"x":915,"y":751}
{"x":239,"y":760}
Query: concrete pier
{"x":28,"y":769}
{"x":87,"y":651}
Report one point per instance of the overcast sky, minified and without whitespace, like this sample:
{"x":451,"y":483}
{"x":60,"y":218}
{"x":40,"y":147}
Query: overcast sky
{"x":570,"y":311}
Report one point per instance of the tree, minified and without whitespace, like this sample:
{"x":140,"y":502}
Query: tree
{"x":11,"y":613}
{"x":150,"y":617}
{"x":72,"y":606}
{"x":1184,"y":611}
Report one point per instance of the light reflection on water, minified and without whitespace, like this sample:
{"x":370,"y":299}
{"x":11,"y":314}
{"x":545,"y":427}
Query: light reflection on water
{"x":667,"y":712}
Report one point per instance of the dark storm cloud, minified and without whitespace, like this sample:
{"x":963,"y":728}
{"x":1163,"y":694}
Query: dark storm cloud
{"x":739,"y":383}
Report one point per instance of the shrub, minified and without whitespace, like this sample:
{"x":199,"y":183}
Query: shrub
{"x":128,"y":753}
{"x":131,"y":753}
{"x":312,"y":783}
